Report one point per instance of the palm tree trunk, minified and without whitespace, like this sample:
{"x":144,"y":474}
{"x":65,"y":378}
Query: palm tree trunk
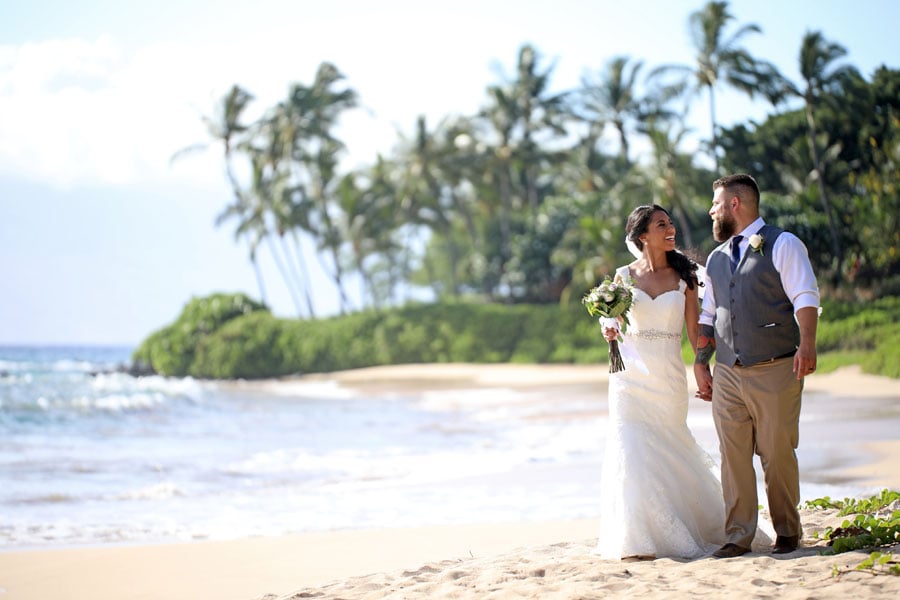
{"x":715,"y":134}
{"x":623,"y":139}
{"x":823,"y":195}
{"x":304,"y":272}
{"x":297,"y":278}
{"x":285,"y":275}
{"x":338,"y":277}
{"x":446,"y":228}
{"x":467,"y":220}
{"x":259,"y":278}
{"x":505,"y":210}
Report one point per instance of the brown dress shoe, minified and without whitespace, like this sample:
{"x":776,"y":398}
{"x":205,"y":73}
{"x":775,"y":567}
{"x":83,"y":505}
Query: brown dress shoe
{"x":785,"y":544}
{"x":730,"y":551}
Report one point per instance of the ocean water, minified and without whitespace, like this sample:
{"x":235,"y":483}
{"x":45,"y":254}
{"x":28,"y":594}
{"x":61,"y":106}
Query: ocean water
{"x":93,"y":456}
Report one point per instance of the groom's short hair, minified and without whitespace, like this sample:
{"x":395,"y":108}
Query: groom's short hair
{"x":741,"y":185}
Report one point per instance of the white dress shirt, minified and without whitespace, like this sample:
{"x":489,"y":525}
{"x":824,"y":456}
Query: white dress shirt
{"x":791,"y":260}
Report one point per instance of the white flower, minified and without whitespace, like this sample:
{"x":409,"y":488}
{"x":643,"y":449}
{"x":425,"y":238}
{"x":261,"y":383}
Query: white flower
{"x":756,"y":243}
{"x":608,"y":297}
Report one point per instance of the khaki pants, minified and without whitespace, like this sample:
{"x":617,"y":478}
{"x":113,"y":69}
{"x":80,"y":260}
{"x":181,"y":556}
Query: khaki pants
{"x":757,"y":410}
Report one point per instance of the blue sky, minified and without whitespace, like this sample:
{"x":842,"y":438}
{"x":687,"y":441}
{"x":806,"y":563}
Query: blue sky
{"x":102,"y":240}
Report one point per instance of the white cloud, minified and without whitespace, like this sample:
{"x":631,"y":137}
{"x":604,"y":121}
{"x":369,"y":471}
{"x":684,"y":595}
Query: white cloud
{"x":79,"y":112}
{"x":84,"y":112}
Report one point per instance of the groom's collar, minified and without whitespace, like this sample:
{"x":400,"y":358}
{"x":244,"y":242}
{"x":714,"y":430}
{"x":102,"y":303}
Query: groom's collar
{"x":753,"y":227}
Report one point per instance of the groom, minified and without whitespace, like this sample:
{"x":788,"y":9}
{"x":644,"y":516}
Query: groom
{"x":759,"y":317}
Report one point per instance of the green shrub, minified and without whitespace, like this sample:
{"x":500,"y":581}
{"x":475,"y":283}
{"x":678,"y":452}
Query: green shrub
{"x":229,"y":336}
{"x":170,"y":351}
{"x":245,"y":347}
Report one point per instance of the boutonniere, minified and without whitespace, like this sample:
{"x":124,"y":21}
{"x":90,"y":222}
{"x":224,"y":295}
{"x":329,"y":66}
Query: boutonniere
{"x":756,"y":243}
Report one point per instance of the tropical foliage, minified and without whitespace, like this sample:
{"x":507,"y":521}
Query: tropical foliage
{"x":524,"y":200}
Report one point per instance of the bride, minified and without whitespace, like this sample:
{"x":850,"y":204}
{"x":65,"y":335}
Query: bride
{"x":659,"y":495}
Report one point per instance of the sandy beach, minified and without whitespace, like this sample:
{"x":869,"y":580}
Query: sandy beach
{"x":494,"y":560}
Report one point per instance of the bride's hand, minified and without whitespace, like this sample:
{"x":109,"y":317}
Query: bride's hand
{"x":704,"y":382}
{"x":610,"y":333}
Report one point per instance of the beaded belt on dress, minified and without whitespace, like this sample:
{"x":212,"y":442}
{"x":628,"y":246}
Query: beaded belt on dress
{"x":655,"y":334}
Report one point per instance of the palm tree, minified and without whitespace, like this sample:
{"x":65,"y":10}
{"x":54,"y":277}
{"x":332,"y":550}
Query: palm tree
{"x":720,"y":57}
{"x":539,"y":113}
{"x":287,"y":210}
{"x":614,"y":99}
{"x":267,"y":187}
{"x":666,"y":172}
{"x":429,"y":187}
{"x":226,"y":127}
{"x":502,"y":114}
{"x":821,"y":77}
{"x":522,"y":114}
{"x":369,"y":204}
{"x":303,"y":144}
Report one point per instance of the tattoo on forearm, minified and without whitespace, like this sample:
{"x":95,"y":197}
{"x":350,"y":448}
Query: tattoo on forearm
{"x":706,"y":345}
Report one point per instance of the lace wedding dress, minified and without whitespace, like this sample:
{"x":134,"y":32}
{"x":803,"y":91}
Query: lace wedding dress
{"x":659,"y":496}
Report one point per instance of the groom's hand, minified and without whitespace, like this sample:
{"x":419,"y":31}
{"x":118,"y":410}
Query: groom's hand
{"x":804,"y":361}
{"x":704,"y":382}
{"x":805,"y":357}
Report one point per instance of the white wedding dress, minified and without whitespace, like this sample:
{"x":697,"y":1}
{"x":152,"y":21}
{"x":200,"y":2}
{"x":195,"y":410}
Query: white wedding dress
{"x":660,"y":495}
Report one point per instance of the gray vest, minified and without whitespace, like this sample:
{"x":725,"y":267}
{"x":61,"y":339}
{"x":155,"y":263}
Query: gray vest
{"x":754,"y":317}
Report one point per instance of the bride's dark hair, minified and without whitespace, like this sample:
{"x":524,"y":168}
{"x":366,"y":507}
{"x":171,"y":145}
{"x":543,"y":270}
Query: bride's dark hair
{"x":639,"y":221}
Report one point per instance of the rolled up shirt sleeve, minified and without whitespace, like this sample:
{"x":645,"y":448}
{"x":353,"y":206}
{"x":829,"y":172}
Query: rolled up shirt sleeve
{"x":708,"y":305}
{"x":791,"y":260}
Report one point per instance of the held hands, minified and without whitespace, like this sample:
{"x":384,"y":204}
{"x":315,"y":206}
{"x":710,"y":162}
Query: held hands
{"x":704,"y":382}
{"x":706,"y":347}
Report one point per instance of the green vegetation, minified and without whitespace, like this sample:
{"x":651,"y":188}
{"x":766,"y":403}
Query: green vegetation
{"x":254,"y":344}
{"x":876,"y":525}
{"x":509,"y":215}
{"x":172,"y":350}
{"x":867,"y":334}
{"x":851,"y":506}
{"x":524,"y":200}
{"x":231,"y":336}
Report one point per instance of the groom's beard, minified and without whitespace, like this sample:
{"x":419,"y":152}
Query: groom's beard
{"x":723,"y":228}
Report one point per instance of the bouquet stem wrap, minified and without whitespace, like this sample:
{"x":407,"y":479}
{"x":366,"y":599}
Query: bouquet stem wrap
{"x":616,"y":363}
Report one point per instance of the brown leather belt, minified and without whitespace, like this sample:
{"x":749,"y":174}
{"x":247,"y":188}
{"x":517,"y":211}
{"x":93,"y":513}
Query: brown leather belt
{"x":790,"y":354}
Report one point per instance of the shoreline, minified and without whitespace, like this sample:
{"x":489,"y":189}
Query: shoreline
{"x":517,"y":558}
{"x":849,"y":380}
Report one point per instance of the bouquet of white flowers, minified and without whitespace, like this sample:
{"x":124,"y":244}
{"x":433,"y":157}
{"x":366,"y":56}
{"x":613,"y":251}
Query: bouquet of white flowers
{"x":611,"y":299}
